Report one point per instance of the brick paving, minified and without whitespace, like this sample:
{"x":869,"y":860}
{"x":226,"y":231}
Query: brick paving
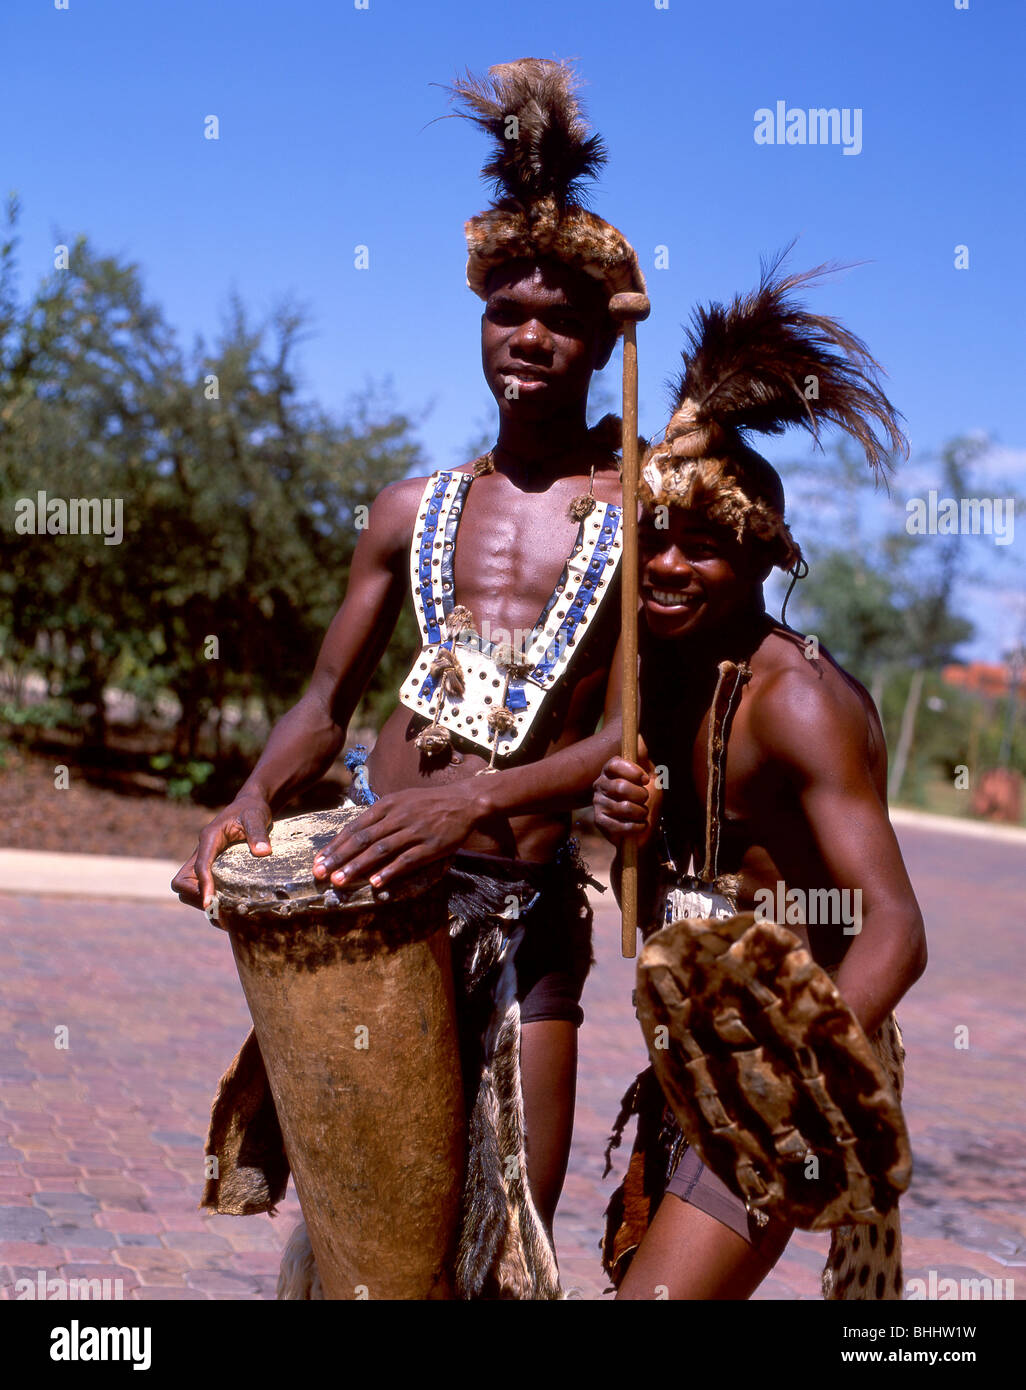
{"x":101,"y":1143}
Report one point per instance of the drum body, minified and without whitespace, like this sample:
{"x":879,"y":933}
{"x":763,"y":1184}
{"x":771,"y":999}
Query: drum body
{"x":352,"y":1003}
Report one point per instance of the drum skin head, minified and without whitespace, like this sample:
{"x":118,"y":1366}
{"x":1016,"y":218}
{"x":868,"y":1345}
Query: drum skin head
{"x":767,"y":1069}
{"x":281,"y":884}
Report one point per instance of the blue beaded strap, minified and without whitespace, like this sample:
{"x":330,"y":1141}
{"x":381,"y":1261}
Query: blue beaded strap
{"x":427,"y":540}
{"x":428,"y":604}
{"x":452,"y":521}
{"x":567,"y":631}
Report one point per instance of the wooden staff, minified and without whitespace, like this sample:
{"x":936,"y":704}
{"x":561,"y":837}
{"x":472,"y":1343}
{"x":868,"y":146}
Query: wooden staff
{"x":629,"y":309}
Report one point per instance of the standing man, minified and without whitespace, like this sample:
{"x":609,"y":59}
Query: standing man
{"x":773,"y":781}
{"x":512,"y":561}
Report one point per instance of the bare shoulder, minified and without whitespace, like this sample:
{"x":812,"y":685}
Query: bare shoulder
{"x":393,"y":515}
{"x":803,"y":703}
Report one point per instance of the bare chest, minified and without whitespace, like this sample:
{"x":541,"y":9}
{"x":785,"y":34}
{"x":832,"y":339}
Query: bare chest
{"x":728,"y":783}
{"x":510,"y":551}
{"x":488,"y":577}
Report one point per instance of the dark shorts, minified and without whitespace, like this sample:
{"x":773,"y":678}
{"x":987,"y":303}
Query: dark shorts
{"x":699,"y":1186}
{"x":550,"y":975}
{"x":554,"y":956}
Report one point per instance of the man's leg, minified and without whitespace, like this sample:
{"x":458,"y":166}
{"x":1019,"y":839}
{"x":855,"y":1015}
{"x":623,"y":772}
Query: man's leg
{"x":687,"y":1253}
{"x":548,"y":1068}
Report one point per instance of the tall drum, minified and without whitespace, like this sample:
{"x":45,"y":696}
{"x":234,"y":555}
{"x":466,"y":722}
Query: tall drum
{"x":352,"y":1002}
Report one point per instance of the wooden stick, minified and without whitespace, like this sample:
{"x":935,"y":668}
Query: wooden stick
{"x":630,"y":309}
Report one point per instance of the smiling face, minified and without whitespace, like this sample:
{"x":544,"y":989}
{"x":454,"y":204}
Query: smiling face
{"x":544,"y":331}
{"x":696,"y":579}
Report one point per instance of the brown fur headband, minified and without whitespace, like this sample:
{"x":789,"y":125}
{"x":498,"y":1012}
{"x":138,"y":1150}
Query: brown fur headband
{"x":543,"y":154}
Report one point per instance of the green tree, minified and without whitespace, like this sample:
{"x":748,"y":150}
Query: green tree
{"x":78,"y":364}
{"x":927,"y":584}
{"x":883,"y":601}
{"x":242,"y":503}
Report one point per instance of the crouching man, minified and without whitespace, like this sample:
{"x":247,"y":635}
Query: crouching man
{"x":763,"y":762}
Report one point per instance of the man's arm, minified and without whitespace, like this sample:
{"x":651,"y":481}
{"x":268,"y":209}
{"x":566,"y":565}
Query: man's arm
{"x":819,"y":742}
{"x":306,"y":740}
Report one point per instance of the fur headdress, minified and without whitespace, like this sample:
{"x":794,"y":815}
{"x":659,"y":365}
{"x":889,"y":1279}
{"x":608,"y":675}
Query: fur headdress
{"x":543,"y":155}
{"x":762,"y":364}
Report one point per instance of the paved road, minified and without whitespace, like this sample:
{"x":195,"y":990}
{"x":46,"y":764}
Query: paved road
{"x":101,"y":1142}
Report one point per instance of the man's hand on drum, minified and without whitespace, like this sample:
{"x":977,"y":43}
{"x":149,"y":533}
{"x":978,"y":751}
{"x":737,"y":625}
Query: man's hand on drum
{"x":626,"y":801}
{"x":247,"y":818}
{"x":401,"y":832}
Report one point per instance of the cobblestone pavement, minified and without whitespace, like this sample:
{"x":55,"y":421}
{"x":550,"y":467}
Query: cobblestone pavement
{"x":101,"y":1142}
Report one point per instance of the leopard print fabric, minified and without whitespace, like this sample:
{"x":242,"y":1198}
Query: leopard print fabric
{"x":865,"y":1260}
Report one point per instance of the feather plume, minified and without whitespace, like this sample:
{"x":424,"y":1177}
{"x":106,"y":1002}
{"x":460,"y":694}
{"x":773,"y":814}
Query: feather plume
{"x":746,"y":367}
{"x":552,"y":153}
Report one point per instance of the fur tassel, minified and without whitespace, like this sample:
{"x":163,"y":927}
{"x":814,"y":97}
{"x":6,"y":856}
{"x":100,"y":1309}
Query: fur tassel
{"x":297,"y":1275}
{"x":541,"y":1276}
{"x":504,"y":1250}
{"x":485,"y":1221}
{"x":549,"y":153}
{"x":746,"y":367}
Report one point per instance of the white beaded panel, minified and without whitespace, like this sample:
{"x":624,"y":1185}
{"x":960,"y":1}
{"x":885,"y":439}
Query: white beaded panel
{"x":484,"y":687}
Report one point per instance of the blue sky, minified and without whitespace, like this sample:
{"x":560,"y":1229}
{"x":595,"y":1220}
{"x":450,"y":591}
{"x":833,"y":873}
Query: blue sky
{"x":326,"y":142}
